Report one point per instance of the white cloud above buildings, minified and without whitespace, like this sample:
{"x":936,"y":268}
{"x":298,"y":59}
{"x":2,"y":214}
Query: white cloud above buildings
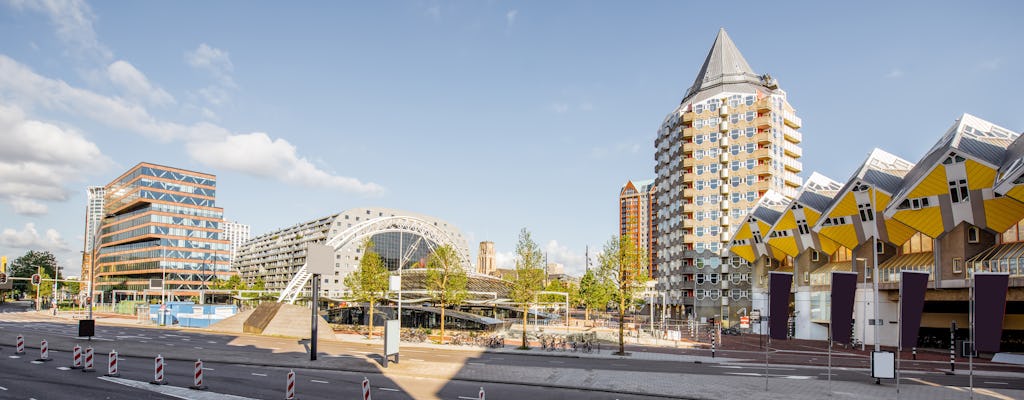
{"x":135,"y":84}
{"x":73,"y":24}
{"x":217,"y":63}
{"x":39,"y":159}
{"x":30,"y":239}
{"x":258,"y":154}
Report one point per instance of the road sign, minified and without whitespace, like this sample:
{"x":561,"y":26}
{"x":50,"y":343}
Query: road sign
{"x":36,"y":279}
{"x":755,"y":315}
{"x":744,"y":322}
{"x":3,"y":278}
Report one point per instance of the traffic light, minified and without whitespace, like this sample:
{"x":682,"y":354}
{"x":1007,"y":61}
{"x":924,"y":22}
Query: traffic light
{"x":36,"y":279}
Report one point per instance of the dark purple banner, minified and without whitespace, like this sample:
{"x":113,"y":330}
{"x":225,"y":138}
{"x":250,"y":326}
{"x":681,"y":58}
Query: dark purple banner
{"x":844,"y":289}
{"x":913,"y":285}
{"x":989,"y":309}
{"x":779,"y":284}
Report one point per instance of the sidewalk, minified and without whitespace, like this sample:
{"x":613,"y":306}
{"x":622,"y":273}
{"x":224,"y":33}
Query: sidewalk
{"x":291,"y":353}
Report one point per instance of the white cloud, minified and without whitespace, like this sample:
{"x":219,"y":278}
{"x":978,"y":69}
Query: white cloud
{"x":510,"y":17}
{"x":23,"y":206}
{"x":572,"y":260}
{"x":505,"y":260}
{"x":211,"y":59}
{"x":73,"y":20}
{"x":38,"y":159}
{"x":258,"y":154}
{"x":135,"y":84}
{"x":24,"y":87}
{"x":560,"y":108}
{"x":30,"y":239}
{"x":895,"y":73}
{"x":215,"y":95}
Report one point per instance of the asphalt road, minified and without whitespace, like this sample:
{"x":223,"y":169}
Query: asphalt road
{"x":23,"y":379}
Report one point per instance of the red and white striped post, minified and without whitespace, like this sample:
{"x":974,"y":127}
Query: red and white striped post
{"x":158,"y":371}
{"x":197,"y":377}
{"x":20,"y":345}
{"x":289,"y":389}
{"x":481,"y":395}
{"x":76,"y":357}
{"x":44,"y":351}
{"x":88,"y":360}
{"x":366,"y":389}
{"x":112,"y":364}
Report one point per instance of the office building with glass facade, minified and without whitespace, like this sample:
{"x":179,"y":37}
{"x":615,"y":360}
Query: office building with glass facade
{"x":732,"y":139}
{"x":160,"y":222}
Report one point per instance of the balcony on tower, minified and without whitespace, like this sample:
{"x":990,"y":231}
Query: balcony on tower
{"x":792,"y":135}
{"x":791,"y":120}
{"x":791,"y":149}
{"x":792,"y":165}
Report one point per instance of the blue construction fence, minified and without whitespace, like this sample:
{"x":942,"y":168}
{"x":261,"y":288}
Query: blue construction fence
{"x":189,"y":314}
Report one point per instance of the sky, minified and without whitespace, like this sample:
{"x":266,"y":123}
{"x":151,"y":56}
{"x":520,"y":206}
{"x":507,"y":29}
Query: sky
{"x":492,"y":115}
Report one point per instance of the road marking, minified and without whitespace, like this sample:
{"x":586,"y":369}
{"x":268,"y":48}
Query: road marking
{"x":997,"y":383}
{"x":174,"y":391}
{"x":68,"y":369}
{"x":37,"y":362}
{"x":922,"y":381}
{"x":477,"y":363}
{"x":468,"y":398}
{"x":208,"y":369}
{"x":728,"y":366}
{"x":390,"y":389}
{"x":316,"y":381}
{"x":992,"y":394}
{"x":954,"y":388}
{"x":211,"y":342}
{"x":259,"y":374}
{"x":13,"y":356}
{"x":3,"y":388}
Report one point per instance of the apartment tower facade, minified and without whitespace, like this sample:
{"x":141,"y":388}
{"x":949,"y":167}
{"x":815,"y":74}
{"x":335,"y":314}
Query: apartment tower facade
{"x":733,"y":138}
{"x":160,"y":222}
{"x":93,"y":218}
{"x":236,"y":234}
{"x":636,"y":217}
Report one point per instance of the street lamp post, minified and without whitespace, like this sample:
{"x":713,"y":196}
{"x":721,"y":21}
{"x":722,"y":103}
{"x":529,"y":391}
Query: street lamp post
{"x":864,"y":307}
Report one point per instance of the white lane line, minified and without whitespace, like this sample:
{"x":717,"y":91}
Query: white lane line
{"x":389,"y":389}
{"x":68,"y":369}
{"x":3,"y":388}
{"x":208,"y":369}
{"x":728,"y":366}
{"x":316,"y":381}
{"x":13,"y":356}
{"x":37,"y":362}
{"x":997,"y":383}
{"x":174,"y":391}
{"x":467,"y":398}
{"x":255,"y":374}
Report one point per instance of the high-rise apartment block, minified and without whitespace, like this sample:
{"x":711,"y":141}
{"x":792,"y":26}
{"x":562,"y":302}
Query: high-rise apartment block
{"x":732,"y":139}
{"x":636,"y":217}
{"x":485,"y":259}
{"x":236,"y":234}
{"x":160,"y":222}
{"x":93,"y":218}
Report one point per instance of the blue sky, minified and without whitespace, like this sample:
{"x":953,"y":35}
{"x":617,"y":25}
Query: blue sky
{"x":492,"y":115}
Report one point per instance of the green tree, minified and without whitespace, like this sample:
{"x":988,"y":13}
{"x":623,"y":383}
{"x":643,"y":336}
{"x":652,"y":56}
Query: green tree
{"x":446,"y":279}
{"x":594,"y":292}
{"x":528,"y":277}
{"x":369,"y":282}
{"x":259,"y":284}
{"x":232,"y":283}
{"x":624,"y":267}
{"x":31,"y":263}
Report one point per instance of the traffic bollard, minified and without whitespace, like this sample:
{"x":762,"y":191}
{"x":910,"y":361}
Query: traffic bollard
{"x":366,"y":389}
{"x":76,"y":357}
{"x":913,"y":352}
{"x":88,"y":360}
{"x":197,"y":376}
{"x":44,"y":351}
{"x":289,"y":389}
{"x":158,"y":371}
{"x":112,"y":364}
{"x":481,"y":395}
{"x":19,"y":345}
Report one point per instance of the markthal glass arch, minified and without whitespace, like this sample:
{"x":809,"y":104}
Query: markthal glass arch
{"x":276,"y":257}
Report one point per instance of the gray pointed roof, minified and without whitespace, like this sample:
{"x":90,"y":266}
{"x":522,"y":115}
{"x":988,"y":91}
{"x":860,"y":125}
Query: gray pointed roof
{"x":770,"y":206}
{"x":818,"y":192}
{"x":969,"y":135}
{"x":724,"y":65}
{"x":1012,"y":167}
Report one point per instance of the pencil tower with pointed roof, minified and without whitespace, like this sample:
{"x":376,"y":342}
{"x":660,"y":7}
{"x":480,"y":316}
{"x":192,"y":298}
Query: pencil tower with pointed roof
{"x":732,"y":139}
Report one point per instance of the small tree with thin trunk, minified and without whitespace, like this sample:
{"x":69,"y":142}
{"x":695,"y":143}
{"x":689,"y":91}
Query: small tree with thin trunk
{"x":624,"y":267}
{"x":369,"y":282}
{"x":446,"y":279}
{"x":528,"y":277}
{"x":594,"y":292}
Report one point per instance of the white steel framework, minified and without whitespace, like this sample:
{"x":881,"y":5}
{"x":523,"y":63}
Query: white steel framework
{"x":399,"y":224}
